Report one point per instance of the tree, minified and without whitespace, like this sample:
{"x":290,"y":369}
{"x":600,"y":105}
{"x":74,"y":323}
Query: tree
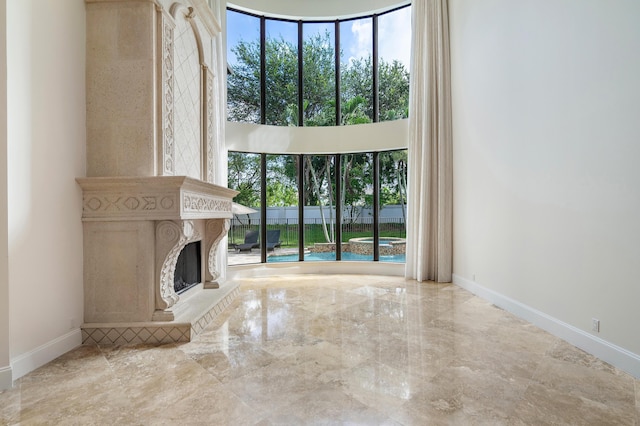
{"x":244,"y":176}
{"x":281,"y":61}
{"x":281,"y":183}
{"x":393,"y":91}
{"x":393,"y":180}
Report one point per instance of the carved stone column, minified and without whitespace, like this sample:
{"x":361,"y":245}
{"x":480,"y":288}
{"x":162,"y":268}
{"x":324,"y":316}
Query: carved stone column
{"x":216,"y":229}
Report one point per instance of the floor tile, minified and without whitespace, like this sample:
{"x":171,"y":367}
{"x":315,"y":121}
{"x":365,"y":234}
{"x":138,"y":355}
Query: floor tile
{"x":336,"y":349}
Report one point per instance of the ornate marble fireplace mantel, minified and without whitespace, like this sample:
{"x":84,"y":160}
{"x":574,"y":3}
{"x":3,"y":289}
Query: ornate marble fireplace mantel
{"x":155,"y":198}
{"x":134,"y":230}
{"x":155,"y":146}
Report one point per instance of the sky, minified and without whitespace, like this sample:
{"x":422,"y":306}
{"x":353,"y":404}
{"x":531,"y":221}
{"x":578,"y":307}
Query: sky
{"x":394,"y":34}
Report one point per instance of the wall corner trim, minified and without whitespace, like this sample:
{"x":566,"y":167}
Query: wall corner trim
{"x":43,"y":354}
{"x":6,"y":378}
{"x":615,"y":355}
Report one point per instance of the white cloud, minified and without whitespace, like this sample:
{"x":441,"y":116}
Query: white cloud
{"x":362,"y":46}
{"x":394,"y":36}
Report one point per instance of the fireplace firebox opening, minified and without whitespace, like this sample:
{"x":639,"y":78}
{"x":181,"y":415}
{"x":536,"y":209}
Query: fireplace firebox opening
{"x":188,"y":268}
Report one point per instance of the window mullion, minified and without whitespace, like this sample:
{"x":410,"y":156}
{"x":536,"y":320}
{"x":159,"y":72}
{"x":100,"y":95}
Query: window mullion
{"x":263,"y":71}
{"x":337,"y":78}
{"x":376,"y":116}
{"x":300,"y":75}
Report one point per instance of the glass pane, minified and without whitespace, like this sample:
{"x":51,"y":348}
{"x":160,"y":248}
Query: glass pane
{"x":319,"y":82}
{"x":394,"y":52}
{"x":319,"y":211}
{"x":281,"y":73}
{"x":244,"y":176}
{"x":357,"y":211}
{"x":356,"y":71}
{"x":243,"y":59}
{"x":282,"y":208}
{"x":393,"y":205}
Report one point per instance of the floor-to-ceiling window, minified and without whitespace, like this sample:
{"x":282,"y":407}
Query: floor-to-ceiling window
{"x":243,"y":59}
{"x":281,"y":72}
{"x":356,"y":71}
{"x":320,"y":205}
{"x":282,"y":218}
{"x":304,"y":73}
{"x":244,"y":176}
{"x":318,"y":71}
{"x":393,"y":205}
{"x":394,"y":49}
{"x":356,"y":181}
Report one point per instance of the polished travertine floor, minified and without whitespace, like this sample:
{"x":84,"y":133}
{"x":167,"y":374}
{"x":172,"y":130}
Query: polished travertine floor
{"x":336,"y":350}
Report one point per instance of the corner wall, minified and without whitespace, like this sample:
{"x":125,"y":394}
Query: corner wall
{"x":546,"y":181}
{"x":5,"y":364}
{"x":46,"y":152}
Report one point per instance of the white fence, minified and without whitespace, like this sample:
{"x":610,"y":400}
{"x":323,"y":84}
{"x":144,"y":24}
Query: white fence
{"x":312,"y":214}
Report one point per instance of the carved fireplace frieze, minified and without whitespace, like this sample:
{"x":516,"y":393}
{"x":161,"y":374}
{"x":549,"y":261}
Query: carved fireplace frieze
{"x":153,"y":198}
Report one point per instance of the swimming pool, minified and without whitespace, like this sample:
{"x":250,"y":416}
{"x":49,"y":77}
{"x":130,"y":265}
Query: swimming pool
{"x":328,"y":256}
{"x":389,"y":246}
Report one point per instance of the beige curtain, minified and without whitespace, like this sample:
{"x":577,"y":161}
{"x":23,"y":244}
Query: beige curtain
{"x":429,"y":209}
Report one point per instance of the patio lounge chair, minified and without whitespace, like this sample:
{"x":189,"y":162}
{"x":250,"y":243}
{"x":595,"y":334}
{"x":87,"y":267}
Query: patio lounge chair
{"x":250,"y":241}
{"x":273,"y":239}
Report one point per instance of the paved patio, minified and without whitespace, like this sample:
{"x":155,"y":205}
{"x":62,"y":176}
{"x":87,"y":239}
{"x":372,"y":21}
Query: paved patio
{"x":243,"y":258}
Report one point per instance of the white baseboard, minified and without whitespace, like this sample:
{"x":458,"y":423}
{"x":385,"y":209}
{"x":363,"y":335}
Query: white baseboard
{"x":6,"y":378}
{"x":606,"y":351}
{"x":41,"y":355}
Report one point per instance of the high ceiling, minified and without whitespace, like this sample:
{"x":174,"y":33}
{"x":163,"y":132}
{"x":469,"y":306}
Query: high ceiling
{"x":315,"y":9}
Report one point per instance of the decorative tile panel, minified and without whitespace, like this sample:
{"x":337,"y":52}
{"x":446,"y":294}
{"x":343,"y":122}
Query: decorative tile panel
{"x":161,"y":334}
{"x":188,"y":101}
{"x":136,"y":335}
{"x":167,"y":86}
{"x":209,"y":128}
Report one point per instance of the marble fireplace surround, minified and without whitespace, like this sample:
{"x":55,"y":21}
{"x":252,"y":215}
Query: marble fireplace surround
{"x":155,"y":135}
{"x":134,"y":231}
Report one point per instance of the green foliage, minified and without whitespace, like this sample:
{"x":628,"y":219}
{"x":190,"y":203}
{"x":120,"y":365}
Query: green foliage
{"x":243,"y":89}
{"x":393,"y":93}
{"x":281,"y":181}
{"x":319,"y":107}
{"x":314,"y":233}
{"x":244,"y":176}
{"x":281,"y":76}
{"x":357,"y":91}
{"x":319,"y":83}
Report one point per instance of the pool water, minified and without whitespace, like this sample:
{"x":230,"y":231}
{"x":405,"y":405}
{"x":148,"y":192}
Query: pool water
{"x":348,"y":256}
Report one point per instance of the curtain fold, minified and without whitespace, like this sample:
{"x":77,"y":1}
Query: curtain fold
{"x":430,"y":179}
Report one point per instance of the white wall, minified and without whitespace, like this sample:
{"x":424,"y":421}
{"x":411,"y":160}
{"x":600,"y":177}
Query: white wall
{"x":46,"y":152}
{"x":546,"y":132}
{"x":5,"y":365}
{"x":328,"y":9}
{"x":249,"y":137}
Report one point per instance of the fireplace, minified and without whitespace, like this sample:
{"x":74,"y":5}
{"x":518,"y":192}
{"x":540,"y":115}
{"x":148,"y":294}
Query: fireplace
{"x":188,"y":268}
{"x":153,"y":192}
